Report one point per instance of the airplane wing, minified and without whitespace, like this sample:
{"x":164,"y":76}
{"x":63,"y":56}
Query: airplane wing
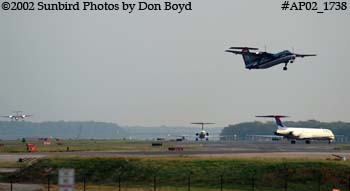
{"x":27,"y":115}
{"x":267,"y":136}
{"x":272,"y":116}
{"x":7,"y":116}
{"x":249,"y":53}
{"x":264,"y":53}
{"x":306,"y":137}
{"x":201,"y":123}
{"x":304,"y":55}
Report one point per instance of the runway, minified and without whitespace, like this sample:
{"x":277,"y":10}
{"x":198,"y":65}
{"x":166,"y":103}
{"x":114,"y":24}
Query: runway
{"x":239,"y":149}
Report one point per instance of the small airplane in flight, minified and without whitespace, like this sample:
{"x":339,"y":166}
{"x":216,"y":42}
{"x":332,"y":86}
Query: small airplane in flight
{"x":202,"y":134}
{"x":17,"y":116}
{"x":298,"y":133}
{"x":263,"y":60}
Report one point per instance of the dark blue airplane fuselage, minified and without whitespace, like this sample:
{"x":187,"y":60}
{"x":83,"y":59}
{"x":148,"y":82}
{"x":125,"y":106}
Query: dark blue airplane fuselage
{"x":266,"y":60}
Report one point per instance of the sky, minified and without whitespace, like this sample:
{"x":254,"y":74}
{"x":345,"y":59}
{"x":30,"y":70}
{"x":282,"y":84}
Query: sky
{"x":155,"y":68}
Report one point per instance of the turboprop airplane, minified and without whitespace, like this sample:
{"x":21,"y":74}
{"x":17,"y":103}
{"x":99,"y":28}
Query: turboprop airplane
{"x":297,"y":133}
{"x":263,"y":60}
{"x":202,"y":134}
{"x":17,"y":116}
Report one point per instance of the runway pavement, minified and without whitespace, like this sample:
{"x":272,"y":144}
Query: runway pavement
{"x":239,"y":149}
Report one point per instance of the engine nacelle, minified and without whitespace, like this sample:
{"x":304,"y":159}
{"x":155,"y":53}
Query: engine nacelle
{"x":197,"y":134}
{"x":295,"y":134}
{"x":207,"y":134}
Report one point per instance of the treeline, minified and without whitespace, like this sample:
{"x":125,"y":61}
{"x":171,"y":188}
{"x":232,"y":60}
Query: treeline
{"x":60,"y":129}
{"x":268,"y":128}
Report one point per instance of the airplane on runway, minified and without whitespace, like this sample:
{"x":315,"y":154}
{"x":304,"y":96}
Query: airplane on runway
{"x":263,"y":60}
{"x":202,"y":134}
{"x":17,"y":116}
{"x":298,"y":133}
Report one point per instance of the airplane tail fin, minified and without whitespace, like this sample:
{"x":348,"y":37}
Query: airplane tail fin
{"x":248,"y":57}
{"x":202,"y":123}
{"x":277,"y":119}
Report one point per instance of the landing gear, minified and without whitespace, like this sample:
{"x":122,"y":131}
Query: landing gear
{"x":196,"y":139}
{"x":285,"y":66}
{"x":207,"y":139}
{"x":307,"y":141}
{"x":293,"y":142}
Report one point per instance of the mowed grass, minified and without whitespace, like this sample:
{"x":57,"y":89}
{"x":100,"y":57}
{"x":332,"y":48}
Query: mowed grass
{"x":101,"y":187}
{"x":11,"y":164}
{"x":173,"y":172}
{"x":342,"y":147}
{"x":88,"y":145}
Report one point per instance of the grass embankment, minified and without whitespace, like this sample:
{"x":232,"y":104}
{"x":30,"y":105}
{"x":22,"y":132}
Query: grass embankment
{"x":174,"y":172}
{"x":342,"y":147}
{"x":87,"y":145}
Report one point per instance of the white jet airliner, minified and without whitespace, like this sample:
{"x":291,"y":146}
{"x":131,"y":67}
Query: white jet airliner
{"x":17,"y":116}
{"x":297,"y":133}
{"x":202,"y":134}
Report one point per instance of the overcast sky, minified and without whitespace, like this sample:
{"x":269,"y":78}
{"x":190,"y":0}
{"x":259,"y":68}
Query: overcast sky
{"x":165,"y":68}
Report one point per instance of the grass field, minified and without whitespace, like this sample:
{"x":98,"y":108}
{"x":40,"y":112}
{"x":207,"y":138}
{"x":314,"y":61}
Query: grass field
{"x":342,"y":147}
{"x":79,"y":187}
{"x":87,"y":145}
{"x":173,"y":173}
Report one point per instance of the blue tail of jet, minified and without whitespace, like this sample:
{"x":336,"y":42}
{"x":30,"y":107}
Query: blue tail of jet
{"x":248,"y":57}
{"x":277,"y":119}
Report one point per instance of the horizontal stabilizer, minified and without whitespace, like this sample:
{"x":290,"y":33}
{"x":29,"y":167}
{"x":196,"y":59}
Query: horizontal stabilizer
{"x":237,"y":52}
{"x":277,"y":119}
{"x":201,"y":123}
{"x":244,"y":48}
{"x":272,"y":116}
